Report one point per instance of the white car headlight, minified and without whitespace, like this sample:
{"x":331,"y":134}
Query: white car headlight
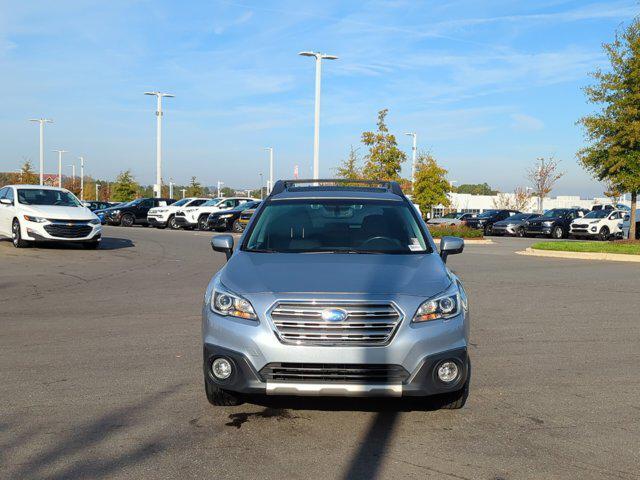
{"x":226,"y":216}
{"x":547,"y":224}
{"x":95,"y":221}
{"x":443,"y":306}
{"x":223,"y":302}
{"x":29,"y":218}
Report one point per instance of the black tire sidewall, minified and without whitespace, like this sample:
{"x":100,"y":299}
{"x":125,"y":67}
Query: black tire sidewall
{"x":130,"y":220}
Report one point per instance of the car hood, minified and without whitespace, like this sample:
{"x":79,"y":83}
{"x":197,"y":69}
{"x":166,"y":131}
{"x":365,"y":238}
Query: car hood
{"x":420,"y":274}
{"x":58,"y":213}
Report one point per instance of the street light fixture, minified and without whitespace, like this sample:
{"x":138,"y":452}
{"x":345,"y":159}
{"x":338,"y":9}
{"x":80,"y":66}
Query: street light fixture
{"x":73,"y":174}
{"x":316,"y":132}
{"x":159,"y":95}
{"x":97,"y":187}
{"x":41,"y":121}
{"x":261,"y":186}
{"x":270,"y":185}
{"x":413,"y":153}
{"x":60,"y":152}
{"x":81,"y":177}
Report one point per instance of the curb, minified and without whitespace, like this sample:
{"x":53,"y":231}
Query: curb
{"x":612,"y":257}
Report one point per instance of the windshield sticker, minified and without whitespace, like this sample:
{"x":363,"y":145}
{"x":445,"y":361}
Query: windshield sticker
{"x":415,"y":246}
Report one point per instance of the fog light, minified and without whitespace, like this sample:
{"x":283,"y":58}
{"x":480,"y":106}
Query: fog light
{"x":448,"y":371}
{"x":221,"y":368}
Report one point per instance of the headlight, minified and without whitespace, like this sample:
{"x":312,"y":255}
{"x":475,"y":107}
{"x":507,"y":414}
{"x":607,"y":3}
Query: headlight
{"x":115,"y":212}
{"x":160,"y":210}
{"x":443,"y":306}
{"x":95,"y":221}
{"x":34,"y":219}
{"x":224,"y":302}
{"x":547,"y":224}
{"x":226,"y":216}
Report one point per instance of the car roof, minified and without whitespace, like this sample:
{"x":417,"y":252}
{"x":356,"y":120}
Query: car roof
{"x":37,"y":187}
{"x":336,"y":189}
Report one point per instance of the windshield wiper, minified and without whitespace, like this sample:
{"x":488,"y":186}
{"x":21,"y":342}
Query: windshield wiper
{"x":377,"y":252}
{"x":262,"y":250}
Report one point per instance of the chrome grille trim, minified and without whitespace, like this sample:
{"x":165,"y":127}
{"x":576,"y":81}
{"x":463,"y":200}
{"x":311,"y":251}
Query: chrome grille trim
{"x":370,"y":323}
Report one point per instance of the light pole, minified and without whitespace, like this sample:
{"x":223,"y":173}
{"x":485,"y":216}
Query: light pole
{"x":219,"y":183}
{"x":413,"y":155}
{"x":183,"y":191}
{"x":261,"y":186}
{"x":270,"y":185}
{"x":171,"y":184}
{"x":97,"y":187}
{"x":60,"y":152}
{"x":81,"y":177}
{"x":316,"y":130}
{"x":159,"y":95}
{"x":41,"y":121}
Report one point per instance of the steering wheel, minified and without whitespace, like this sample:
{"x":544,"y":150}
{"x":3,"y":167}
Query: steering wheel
{"x":390,"y":241}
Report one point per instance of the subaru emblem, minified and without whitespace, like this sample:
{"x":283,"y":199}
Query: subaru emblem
{"x":334,"y":315}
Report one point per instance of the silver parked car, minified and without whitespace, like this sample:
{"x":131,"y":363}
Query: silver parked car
{"x":336,"y":289}
{"x":455,"y":218}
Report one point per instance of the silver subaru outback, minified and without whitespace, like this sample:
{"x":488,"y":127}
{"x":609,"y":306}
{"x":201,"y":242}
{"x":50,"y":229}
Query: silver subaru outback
{"x":336,"y":288}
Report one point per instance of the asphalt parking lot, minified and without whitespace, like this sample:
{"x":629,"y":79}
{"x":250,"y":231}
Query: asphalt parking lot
{"x":101,"y":375}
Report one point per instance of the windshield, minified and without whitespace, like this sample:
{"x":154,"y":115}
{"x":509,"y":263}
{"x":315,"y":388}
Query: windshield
{"x":556,"y":212}
{"x":451,"y":215}
{"x":181,"y":202}
{"x":337,"y":226}
{"x":246,"y":205}
{"x":519,"y":216}
{"x":44,"y":196}
{"x":488,"y":213}
{"x":598,"y":214}
{"x":210,"y":203}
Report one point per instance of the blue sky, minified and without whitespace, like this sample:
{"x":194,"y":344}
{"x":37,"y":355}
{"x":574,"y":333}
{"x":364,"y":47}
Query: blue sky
{"x":488,"y":86}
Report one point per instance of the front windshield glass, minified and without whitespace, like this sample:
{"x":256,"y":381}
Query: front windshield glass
{"x":598,"y":214}
{"x":337,"y":226}
{"x":556,"y":212}
{"x":488,"y":213}
{"x":45,"y":196}
{"x":247,"y":205}
{"x":181,"y":202}
{"x":519,"y":216}
{"x":210,"y":203}
{"x":451,"y":215}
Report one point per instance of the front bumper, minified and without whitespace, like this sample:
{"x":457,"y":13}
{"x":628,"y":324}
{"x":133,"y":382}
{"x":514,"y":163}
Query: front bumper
{"x":183,"y":222}
{"x":219,"y":223}
{"x":421,"y":382}
{"x":37,"y":232}
{"x":157,"y":221}
{"x":538,"y":230}
{"x":415,"y":348}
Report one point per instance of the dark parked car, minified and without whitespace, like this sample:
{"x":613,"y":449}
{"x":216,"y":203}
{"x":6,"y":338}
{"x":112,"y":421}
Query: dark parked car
{"x":514,"y":225}
{"x":224,"y":220}
{"x":135,"y":212}
{"x":553,"y":223}
{"x":102,"y":213}
{"x":486,"y":219}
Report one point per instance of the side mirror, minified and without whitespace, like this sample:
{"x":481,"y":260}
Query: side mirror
{"x":223,"y":243}
{"x":450,"y":246}
{"x":5,"y":201}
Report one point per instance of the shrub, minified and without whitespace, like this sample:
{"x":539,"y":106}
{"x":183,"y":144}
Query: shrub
{"x":439,"y":231}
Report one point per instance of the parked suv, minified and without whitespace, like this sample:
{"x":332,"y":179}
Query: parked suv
{"x":553,"y":223}
{"x":192,"y":217}
{"x":31,"y":213}
{"x":486,"y":219}
{"x":224,"y":220}
{"x":135,"y":212}
{"x":336,"y":290}
{"x":163,"y":217}
{"x":514,"y":225}
{"x":601,"y":224}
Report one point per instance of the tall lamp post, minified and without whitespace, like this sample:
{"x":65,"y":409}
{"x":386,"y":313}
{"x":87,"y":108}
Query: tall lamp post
{"x":183,"y":191}
{"x":261,"y":186}
{"x":97,"y":187}
{"x":219,"y":184}
{"x":316,"y":130}
{"x":171,"y":184}
{"x":413,"y":155}
{"x":41,"y":121}
{"x":157,"y":188}
{"x":270,"y":184}
{"x":81,"y":177}
{"x":73,"y":174}
{"x":60,"y":152}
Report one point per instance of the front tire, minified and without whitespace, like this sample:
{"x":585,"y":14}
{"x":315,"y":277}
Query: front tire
{"x":203,"y":222}
{"x":237,"y":227}
{"x":520,"y":232}
{"x":16,"y":235}
{"x":487,"y":230}
{"x":127,"y":220}
{"x":220,"y":397}
{"x":172,"y":223}
{"x":604,"y":234}
{"x":557,"y":232}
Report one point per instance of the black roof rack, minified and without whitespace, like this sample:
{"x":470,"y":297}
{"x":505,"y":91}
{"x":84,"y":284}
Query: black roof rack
{"x":391,"y":186}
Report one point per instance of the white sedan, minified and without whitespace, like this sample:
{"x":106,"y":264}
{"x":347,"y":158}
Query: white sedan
{"x":31,"y":213}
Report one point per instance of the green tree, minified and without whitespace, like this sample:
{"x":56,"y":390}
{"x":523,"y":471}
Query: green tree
{"x":384,"y":159}
{"x":613,"y":132}
{"x":27,"y":176}
{"x":125,"y":188}
{"x":431,"y":185}
{"x":349,"y":168}
{"x":227,"y":192}
{"x":476,"y":189}
{"x":194,"y":189}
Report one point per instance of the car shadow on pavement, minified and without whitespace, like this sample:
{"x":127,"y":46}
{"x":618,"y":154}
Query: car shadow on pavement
{"x":79,"y":450}
{"x":107,"y":243}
